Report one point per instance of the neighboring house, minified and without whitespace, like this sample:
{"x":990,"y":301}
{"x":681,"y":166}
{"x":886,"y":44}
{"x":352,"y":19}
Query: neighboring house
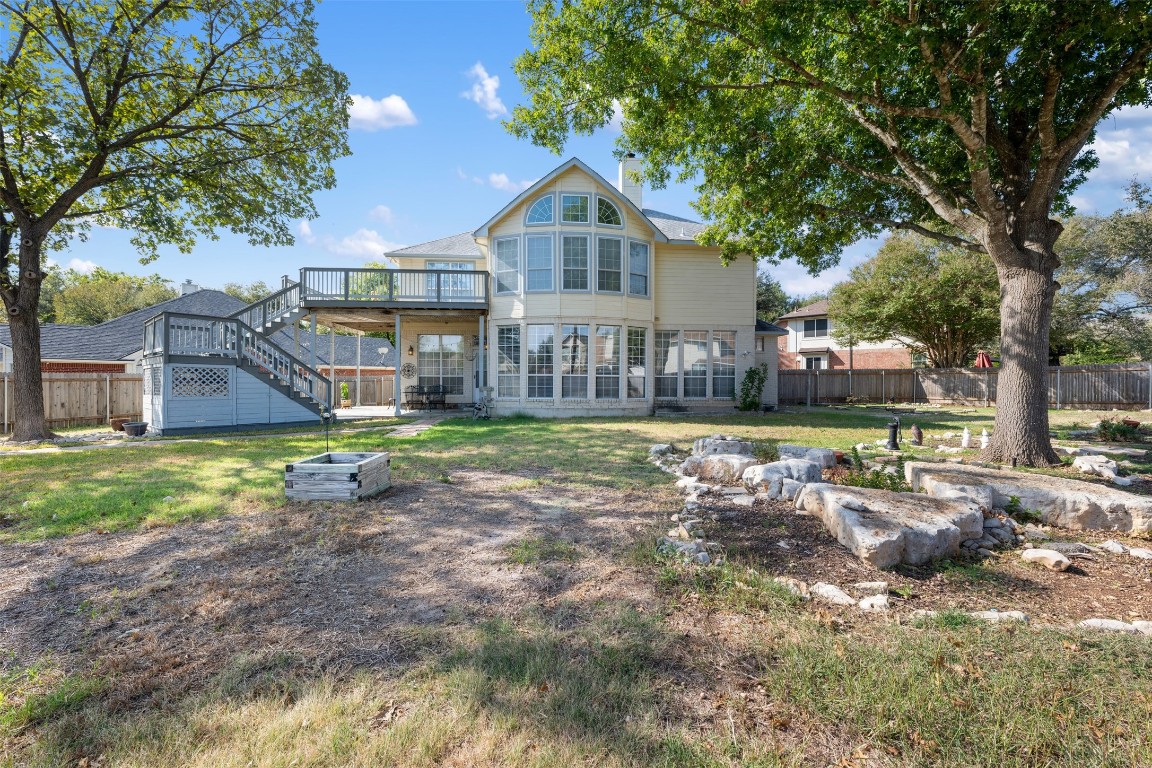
{"x":116,"y":346}
{"x":573,"y":299}
{"x":808,"y":344}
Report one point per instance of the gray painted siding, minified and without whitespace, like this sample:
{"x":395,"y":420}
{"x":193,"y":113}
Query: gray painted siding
{"x":250,"y":400}
{"x":258,"y":403}
{"x":186,"y":412}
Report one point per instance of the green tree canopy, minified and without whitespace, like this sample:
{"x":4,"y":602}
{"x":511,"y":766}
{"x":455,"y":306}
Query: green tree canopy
{"x":943,"y":301}
{"x":250,"y":293}
{"x":771,"y":300}
{"x":810,"y":125}
{"x":167,"y":119}
{"x":90,"y":299}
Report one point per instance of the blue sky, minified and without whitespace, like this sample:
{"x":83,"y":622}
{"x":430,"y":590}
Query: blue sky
{"x":432,"y":81}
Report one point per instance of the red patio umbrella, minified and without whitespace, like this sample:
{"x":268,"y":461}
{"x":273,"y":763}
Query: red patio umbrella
{"x":983,"y":360}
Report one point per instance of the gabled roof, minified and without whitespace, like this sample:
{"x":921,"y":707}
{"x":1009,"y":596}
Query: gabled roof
{"x":818,"y":309}
{"x":763,"y":326}
{"x":675,"y":228}
{"x":573,"y":162}
{"x":462,"y":244}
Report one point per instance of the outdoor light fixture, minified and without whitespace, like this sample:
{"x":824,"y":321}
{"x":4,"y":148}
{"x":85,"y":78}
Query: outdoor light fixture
{"x":411,"y":351}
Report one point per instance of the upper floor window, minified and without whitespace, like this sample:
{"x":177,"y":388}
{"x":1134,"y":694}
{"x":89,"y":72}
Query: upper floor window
{"x":574,"y":209}
{"x":607,"y":213}
{"x":574,"y":263}
{"x":541,"y":211}
{"x":816,"y":329}
{"x":609,"y":263}
{"x":637,"y":269}
{"x":539,"y":263}
{"x":508,"y":265}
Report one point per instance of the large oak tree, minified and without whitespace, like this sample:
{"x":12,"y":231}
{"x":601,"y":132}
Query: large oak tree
{"x":168,"y":119}
{"x":812,"y":124}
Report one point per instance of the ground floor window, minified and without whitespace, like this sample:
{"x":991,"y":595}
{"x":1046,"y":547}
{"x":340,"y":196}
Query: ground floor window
{"x":538,"y":359}
{"x":574,"y":362}
{"x":695,"y":364}
{"x":608,"y":362}
{"x":508,"y":364}
{"x":723,"y":364}
{"x":637,"y":362}
{"x":667,"y":364}
{"x":815,"y":363}
{"x":441,"y":362}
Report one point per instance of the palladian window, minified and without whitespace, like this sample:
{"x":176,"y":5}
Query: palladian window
{"x":541,"y":211}
{"x":607,"y":213}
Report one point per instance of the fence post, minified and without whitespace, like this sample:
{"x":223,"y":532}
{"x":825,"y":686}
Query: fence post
{"x":1149,"y":388}
{"x":988,"y":387}
{"x":108,"y":397}
{"x":6,"y":403}
{"x":850,"y":393}
{"x":1057,"y":388}
{"x":883,"y":392}
{"x":809,"y":388}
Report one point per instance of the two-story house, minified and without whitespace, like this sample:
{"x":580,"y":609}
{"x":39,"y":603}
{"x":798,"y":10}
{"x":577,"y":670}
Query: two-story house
{"x":808,"y":344}
{"x":573,"y":299}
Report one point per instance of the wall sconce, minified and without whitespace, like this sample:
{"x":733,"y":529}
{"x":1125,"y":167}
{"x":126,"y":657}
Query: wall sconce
{"x":411,"y":351}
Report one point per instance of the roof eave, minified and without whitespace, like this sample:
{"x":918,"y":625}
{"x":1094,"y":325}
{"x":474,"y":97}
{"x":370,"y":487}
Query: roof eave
{"x":573,"y":162}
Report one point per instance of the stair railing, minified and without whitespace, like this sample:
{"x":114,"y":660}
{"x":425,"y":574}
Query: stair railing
{"x":176,"y":334}
{"x":272,"y":308}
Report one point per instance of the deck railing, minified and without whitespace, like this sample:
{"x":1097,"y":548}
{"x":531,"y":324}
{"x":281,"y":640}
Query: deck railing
{"x":398,"y":286}
{"x":272,"y":309}
{"x":177,"y":334}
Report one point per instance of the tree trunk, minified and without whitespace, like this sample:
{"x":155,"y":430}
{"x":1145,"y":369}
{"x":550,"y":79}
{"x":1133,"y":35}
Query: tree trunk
{"x":27,"y":387}
{"x":1021,"y":433}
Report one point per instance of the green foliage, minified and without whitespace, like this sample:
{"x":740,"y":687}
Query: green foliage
{"x":344,"y":390}
{"x":91,"y":299}
{"x":944,"y":300}
{"x":771,"y":300}
{"x":1111,"y":430}
{"x":249,"y":294}
{"x":752,"y":387}
{"x":542,"y":549}
{"x":873,"y":478}
{"x":765,"y":451}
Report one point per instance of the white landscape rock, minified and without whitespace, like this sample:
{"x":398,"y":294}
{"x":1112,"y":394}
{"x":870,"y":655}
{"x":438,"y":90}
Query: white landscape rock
{"x":997,"y":616}
{"x":789,"y":489}
{"x":885,"y":529}
{"x":1109,"y":625}
{"x":795,"y":586}
{"x":1062,"y":502}
{"x":1145,"y":627}
{"x":660,"y":449}
{"x":871,"y":587}
{"x":1114,"y":547}
{"x":830,"y":593}
{"x":1049,"y":558}
{"x":1141,"y":553}
{"x":824,"y":457}
{"x":719,"y":444}
{"x":723,"y":468}
{"x":1101,"y":466}
{"x":874,"y":603}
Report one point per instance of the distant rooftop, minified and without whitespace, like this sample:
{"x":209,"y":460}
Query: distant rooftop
{"x":462,"y":244}
{"x":817,"y":309}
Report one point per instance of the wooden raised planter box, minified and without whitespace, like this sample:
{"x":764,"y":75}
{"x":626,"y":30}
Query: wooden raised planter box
{"x":338,"y":476}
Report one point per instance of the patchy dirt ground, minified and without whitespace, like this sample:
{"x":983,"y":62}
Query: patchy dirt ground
{"x":775,"y":540}
{"x":338,"y":585}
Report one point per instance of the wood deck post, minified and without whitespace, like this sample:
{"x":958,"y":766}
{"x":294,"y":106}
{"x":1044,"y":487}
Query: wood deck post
{"x":359,"y":343}
{"x":333,"y":396}
{"x":396,"y":372}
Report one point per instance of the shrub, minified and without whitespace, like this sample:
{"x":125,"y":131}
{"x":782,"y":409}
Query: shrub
{"x":1117,"y":431}
{"x":752,"y":387}
{"x":874,"y":478}
{"x":344,"y":390}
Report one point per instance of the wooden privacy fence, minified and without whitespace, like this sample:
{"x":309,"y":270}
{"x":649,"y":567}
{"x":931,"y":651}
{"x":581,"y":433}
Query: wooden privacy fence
{"x":374,"y":390}
{"x":77,"y":399}
{"x":1125,"y":385}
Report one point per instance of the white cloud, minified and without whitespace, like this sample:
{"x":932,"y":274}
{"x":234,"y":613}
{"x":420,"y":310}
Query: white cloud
{"x":362,"y":244}
{"x":616,"y":124}
{"x":383,"y":213}
{"x":501,"y":181}
{"x":83,"y":266}
{"x":369,"y":114}
{"x":483,"y":92}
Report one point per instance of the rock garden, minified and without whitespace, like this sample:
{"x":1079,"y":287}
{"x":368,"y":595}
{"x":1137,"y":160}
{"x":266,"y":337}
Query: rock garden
{"x":912,"y":539}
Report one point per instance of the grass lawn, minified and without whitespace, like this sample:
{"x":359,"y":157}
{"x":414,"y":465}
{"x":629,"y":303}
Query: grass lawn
{"x":603,"y":653}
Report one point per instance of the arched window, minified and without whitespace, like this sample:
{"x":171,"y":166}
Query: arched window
{"x":607,"y":213}
{"x":541,"y":211}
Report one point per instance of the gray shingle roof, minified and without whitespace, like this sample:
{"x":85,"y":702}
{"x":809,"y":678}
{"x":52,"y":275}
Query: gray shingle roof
{"x":674,"y":227}
{"x":816,"y":309}
{"x":763,"y":326}
{"x":462,"y":244}
{"x":345,"y":349}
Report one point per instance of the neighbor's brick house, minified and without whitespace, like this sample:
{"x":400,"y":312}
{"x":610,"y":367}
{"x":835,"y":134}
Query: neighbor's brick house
{"x":809,"y":344}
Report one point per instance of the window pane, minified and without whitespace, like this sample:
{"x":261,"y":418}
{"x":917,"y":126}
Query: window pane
{"x":574,"y":209}
{"x":607,"y":213}
{"x":723,"y":363}
{"x":508,"y":362}
{"x":695,"y":363}
{"x":508,"y":266}
{"x":638,"y":269}
{"x":539,"y":360}
{"x":539,"y":257}
{"x":637,"y":358}
{"x":815,"y":329}
{"x":608,"y":362}
{"x":441,"y":363}
{"x":574,"y":361}
{"x":667,"y":363}
{"x":541,"y":211}
{"x":609,"y":262}
{"x":575,"y":258}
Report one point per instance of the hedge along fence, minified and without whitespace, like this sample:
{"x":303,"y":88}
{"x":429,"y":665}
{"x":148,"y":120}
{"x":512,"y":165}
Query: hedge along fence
{"x":1124,"y":385}
{"x":78,"y":399}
